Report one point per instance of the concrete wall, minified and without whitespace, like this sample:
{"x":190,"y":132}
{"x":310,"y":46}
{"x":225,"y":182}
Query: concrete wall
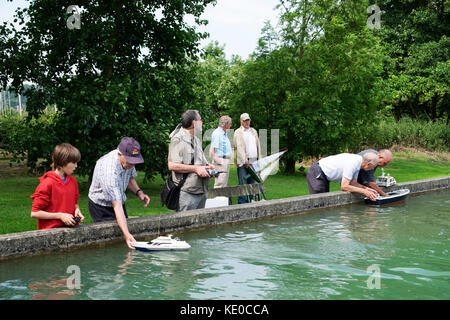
{"x":39,"y":241}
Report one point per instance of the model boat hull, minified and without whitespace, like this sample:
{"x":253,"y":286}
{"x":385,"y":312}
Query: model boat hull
{"x":393,"y":197}
{"x":147,"y":247}
{"x":161,"y":243}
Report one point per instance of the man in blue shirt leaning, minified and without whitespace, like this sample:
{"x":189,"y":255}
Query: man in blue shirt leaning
{"x":220,"y":151}
{"x":367,"y":178}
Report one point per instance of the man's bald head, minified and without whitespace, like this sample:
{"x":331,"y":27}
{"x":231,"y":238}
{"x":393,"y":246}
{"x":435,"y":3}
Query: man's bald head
{"x":384,"y":157}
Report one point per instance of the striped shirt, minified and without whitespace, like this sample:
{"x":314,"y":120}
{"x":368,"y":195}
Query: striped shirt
{"x":110,"y":180}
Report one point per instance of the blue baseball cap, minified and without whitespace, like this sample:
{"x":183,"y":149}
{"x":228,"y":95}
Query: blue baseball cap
{"x":131,"y":150}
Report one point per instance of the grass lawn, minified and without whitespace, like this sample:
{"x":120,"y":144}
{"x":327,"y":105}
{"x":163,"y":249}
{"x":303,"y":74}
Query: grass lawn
{"x":16,"y":186}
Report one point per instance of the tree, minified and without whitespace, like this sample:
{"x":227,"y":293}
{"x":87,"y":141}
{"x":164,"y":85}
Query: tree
{"x":210,"y":76}
{"x":125,"y":72}
{"x":268,"y":42}
{"x":417,"y":36}
{"x":320,"y":86}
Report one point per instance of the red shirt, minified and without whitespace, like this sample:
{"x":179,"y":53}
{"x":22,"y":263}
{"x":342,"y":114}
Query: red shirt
{"x":55,"y":195}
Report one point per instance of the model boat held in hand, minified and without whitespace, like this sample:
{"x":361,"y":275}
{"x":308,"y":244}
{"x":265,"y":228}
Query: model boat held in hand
{"x":162,"y":243}
{"x":392,"y":197}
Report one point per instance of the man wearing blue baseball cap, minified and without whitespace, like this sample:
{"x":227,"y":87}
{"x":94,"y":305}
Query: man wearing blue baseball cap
{"x":114,"y":173}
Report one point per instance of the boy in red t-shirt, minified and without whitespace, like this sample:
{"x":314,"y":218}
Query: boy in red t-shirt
{"x":55,"y":198}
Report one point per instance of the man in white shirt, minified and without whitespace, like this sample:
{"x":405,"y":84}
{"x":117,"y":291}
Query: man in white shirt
{"x":248,"y":150}
{"x":344,"y":167}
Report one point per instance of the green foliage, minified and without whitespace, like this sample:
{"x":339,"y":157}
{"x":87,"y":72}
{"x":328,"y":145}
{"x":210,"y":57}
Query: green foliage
{"x":321,"y":77}
{"x":416,"y":35}
{"x":215,"y":83}
{"x":210,"y":76}
{"x":408,"y":132}
{"x":126,"y":72}
{"x":319,"y":87}
{"x":29,"y":140}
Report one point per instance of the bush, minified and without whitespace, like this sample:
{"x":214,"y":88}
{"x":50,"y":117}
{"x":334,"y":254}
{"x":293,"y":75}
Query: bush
{"x":10,"y":124}
{"x":34,"y":139}
{"x":407,"y":132}
{"x":31,"y":139}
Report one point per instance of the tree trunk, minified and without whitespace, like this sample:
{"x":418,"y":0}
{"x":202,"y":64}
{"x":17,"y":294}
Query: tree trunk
{"x":290,"y":166}
{"x":111,"y":57}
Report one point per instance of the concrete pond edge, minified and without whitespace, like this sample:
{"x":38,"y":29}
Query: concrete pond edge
{"x":19,"y":244}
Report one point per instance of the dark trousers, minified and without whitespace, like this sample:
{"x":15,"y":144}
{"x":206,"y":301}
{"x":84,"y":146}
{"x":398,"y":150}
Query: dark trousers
{"x":317,"y":180}
{"x":242,"y":172}
{"x":102,"y":213}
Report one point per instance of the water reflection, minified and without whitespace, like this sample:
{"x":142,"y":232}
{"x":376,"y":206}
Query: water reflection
{"x":367,"y":224}
{"x":309,"y":256}
{"x":177,"y":271}
{"x":52,"y":288}
{"x":104,"y":284}
{"x":225,"y":269}
{"x":155,"y":275}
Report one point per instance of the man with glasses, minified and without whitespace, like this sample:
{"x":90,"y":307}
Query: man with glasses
{"x":368,"y":177}
{"x":187,"y":162}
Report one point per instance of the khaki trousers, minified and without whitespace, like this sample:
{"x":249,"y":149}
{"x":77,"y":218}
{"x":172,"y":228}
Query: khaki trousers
{"x":222,"y":180}
{"x":190,"y":201}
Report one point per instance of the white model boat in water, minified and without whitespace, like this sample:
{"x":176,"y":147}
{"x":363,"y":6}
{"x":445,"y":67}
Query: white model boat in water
{"x":392,"y":197}
{"x":162,"y":243}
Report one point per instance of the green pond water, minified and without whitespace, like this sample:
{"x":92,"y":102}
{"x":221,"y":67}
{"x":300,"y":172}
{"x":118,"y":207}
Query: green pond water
{"x":353,"y":252}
